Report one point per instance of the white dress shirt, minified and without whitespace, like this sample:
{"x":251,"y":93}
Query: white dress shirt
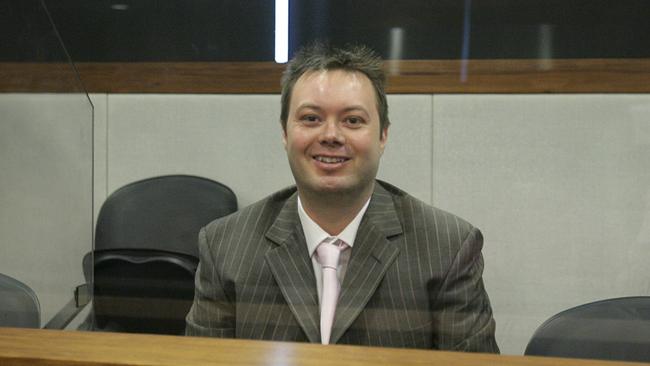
{"x":314,"y":235}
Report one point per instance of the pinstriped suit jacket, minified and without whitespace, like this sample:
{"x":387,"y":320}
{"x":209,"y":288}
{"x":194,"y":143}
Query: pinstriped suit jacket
{"x":413,"y":280}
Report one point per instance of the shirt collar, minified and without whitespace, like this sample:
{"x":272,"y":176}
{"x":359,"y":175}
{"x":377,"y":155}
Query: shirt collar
{"x":314,"y":234}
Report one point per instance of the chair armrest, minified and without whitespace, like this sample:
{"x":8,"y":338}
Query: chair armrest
{"x":70,"y":310}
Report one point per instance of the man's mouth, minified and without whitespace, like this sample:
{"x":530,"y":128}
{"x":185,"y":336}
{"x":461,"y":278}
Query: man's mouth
{"x":330,"y":159}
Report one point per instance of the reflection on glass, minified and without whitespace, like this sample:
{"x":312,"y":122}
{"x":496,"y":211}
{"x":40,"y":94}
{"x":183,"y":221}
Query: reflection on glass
{"x":281,"y":31}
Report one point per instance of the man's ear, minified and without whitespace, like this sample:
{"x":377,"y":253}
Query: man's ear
{"x":284,"y":138}
{"x":383,"y":138}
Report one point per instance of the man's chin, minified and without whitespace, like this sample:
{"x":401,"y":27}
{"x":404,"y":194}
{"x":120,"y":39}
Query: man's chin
{"x":336,"y":188}
{"x":332,"y":189}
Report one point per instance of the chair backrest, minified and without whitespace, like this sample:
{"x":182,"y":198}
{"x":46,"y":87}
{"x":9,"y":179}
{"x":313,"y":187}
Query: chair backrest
{"x":162,"y":213}
{"x":146,"y":252}
{"x":613,"y":329}
{"x":19,"y":306}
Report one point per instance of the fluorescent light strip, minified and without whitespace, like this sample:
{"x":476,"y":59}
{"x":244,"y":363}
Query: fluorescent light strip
{"x":281,"y":31}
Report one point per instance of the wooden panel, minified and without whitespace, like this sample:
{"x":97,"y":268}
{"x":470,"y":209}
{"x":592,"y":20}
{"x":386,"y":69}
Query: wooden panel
{"x":38,"y":77}
{"x":154,"y":77}
{"x":188,"y":77}
{"x":56,"y":348}
{"x":409,"y":76}
{"x":523,"y":76}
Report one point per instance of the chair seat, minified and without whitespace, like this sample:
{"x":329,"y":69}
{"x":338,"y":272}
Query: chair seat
{"x":142,"y":291}
{"x":613,"y":329}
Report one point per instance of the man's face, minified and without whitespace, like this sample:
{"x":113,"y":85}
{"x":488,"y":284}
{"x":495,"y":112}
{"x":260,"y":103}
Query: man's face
{"x":333,"y":138}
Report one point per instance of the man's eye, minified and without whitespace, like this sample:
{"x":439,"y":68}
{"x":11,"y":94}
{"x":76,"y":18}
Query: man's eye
{"x":354,"y":121}
{"x":309,"y":118}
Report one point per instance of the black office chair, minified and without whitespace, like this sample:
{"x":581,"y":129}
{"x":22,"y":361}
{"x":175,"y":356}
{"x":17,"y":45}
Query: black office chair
{"x":19,"y":306}
{"x":613,"y":329}
{"x":146,"y":253}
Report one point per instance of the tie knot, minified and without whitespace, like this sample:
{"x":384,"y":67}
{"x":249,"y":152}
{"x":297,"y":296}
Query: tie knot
{"x":329,"y":251}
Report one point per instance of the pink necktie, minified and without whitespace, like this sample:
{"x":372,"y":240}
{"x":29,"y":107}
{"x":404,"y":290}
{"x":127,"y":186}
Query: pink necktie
{"x":328,"y":257}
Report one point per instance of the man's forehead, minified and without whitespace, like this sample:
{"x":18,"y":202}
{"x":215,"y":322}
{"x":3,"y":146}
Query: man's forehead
{"x":325,"y":73}
{"x":324,"y":81}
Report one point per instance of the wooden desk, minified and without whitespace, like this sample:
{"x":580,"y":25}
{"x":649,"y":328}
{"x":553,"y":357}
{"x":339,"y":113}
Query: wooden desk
{"x":52,"y":347}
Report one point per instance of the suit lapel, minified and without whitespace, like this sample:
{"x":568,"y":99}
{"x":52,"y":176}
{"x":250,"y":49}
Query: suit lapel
{"x":292,"y":269}
{"x":372,"y":255}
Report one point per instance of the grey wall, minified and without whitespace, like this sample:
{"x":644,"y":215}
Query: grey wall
{"x":45,"y":192}
{"x":558,"y":184}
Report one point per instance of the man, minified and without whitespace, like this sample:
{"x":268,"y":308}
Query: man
{"x":402,"y":273}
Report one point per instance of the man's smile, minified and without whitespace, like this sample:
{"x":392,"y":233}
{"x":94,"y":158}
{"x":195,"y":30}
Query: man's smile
{"x":330,"y":159}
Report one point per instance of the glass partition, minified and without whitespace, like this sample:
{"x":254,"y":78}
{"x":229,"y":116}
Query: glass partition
{"x":46,"y":184}
{"x":529,"y":119}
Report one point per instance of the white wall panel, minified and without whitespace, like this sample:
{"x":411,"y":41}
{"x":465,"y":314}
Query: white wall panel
{"x":235,"y":140}
{"x":560,"y":186}
{"x":100,"y":104}
{"x":407,"y":158}
{"x":45,"y":193}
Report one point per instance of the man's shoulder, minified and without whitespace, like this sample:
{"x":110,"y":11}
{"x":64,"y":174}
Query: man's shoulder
{"x":264,"y":210}
{"x":421,"y":213}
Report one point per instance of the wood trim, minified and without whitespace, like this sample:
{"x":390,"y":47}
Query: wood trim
{"x":58,"y":348}
{"x":408,"y":76}
{"x":523,"y":76}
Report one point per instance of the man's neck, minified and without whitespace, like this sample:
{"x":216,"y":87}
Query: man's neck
{"x":333,"y":213}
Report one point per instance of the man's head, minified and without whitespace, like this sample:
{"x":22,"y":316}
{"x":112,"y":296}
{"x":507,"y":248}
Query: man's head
{"x":319,"y":57}
{"x":332,"y":123}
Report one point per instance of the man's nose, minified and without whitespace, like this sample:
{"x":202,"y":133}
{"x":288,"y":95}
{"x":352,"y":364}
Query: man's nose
{"x":332,"y":133}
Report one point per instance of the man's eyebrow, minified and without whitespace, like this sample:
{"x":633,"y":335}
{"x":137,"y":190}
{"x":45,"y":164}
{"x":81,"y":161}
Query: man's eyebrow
{"x":356,"y":108}
{"x":352,"y":108}
{"x":309,"y":105}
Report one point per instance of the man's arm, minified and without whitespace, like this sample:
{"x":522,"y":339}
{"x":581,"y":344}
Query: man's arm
{"x":462,"y":313}
{"x":212,"y":313}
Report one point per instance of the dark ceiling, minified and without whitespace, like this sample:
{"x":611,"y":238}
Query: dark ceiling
{"x":243,"y":30}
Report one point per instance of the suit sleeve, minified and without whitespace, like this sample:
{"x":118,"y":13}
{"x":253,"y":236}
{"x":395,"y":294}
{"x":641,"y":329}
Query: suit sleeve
{"x":212,"y":314}
{"x":462,"y":312}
